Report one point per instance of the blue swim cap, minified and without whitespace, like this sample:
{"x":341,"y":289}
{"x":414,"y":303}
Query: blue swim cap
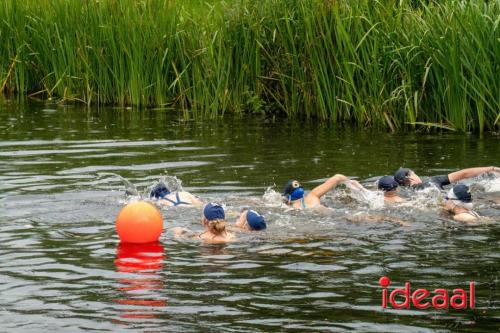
{"x":293,"y":190}
{"x":460,"y":192}
{"x":387,"y":183}
{"x":159,"y":191}
{"x":401,"y":176}
{"x":213,"y":211}
{"x":296,"y":194}
{"x":255,"y":220}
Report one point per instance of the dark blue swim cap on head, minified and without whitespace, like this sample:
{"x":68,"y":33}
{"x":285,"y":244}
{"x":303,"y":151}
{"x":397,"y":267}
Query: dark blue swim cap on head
{"x":387,"y":183}
{"x":255,"y":220}
{"x":159,"y":191}
{"x":462,"y":193}
{"x":401,"y":174}
{"x":293,"y":190}
{"x":297,"y":194}
{"x":214,"y":211}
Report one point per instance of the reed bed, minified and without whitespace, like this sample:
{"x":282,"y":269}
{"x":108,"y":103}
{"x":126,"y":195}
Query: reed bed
{"x":387,"y":63}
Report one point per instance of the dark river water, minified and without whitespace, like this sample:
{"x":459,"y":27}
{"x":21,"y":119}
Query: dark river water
{"x":64,"y":173}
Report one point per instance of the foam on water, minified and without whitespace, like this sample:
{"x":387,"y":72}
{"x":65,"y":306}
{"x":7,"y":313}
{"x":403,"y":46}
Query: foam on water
{"x":272,"y":198}
{"x":492,"y":185}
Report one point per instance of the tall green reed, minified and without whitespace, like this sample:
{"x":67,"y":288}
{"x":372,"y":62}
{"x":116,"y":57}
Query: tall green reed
{"x":387,"y":63}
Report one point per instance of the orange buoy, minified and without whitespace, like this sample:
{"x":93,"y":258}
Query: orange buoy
{"x":139,"y":222}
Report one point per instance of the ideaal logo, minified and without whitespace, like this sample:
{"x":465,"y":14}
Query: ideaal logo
{"x":419,"y":298}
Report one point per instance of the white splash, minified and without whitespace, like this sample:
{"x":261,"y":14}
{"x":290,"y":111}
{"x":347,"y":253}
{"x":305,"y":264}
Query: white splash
{"x":374,"y":199}
{"x":272,"y":198}
{"x":491,"y":185}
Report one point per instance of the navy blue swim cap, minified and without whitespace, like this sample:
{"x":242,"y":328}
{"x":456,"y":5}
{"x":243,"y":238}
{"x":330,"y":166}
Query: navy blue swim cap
{"x":159,"y":191}
{"x":387,"y":183}
{"x":293,"y":190}
{"x":401,"y":175}
{"x":213,"y":211}
{"x":297,"y":194}
{"x":461,"y":192}
{"x":255,"y":220}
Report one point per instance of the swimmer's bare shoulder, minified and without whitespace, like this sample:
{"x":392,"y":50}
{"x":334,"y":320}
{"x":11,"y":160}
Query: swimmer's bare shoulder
{"x":230,"y":237}
{"x":187,"y":234}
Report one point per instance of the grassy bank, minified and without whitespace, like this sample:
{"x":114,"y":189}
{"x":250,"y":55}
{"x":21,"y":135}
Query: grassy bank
{"x":388,"y":63}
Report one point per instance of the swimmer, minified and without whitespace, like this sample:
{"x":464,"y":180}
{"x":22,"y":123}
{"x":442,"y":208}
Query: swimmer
{"x":295,"y":196}
{"x":167,"y":198}
{"x":459,"y":203}
{"x":214,"y":222}
{"x":407,"y":177}
{"x":250,"y":220}
{"x":389,"y":186}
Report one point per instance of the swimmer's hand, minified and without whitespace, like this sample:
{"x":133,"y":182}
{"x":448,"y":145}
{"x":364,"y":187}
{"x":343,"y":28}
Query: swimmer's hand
{"x":496,"y":170}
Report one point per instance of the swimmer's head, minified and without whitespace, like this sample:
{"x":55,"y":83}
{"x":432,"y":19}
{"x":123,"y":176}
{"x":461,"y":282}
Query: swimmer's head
{"x":387,"y":183}
{"x":251,"y":220}
{"x":293,"y":190}
{"x":213,"y":211}
{"x":159,"y":191}
{"x":406,"y":177}
{"x":214,"y":218}
{"x":460,"y":196}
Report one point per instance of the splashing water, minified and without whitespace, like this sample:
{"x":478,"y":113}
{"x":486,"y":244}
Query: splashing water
{"x":374,"y":199}
{"x":173,"y":184}
{"x":491,"y":185}
{"x":130,"y":188}
{"x":272,"y":198}
{"x":428,"y":197}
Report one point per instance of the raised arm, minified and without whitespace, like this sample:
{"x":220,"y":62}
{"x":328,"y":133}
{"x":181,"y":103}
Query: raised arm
{"x":471,"y":172}
{"x":322,"y":189}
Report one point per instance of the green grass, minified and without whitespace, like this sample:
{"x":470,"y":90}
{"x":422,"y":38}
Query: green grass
{"x":391,"y":64}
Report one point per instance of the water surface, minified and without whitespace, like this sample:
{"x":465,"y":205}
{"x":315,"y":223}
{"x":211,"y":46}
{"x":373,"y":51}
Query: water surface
{"x":62,"y":172}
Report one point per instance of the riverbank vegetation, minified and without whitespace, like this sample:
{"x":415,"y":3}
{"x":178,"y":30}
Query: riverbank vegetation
{"x":388,"y":63}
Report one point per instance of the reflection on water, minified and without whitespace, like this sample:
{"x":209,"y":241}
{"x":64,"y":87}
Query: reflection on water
{"x":65,"y":174}
{"x":141,"y":283}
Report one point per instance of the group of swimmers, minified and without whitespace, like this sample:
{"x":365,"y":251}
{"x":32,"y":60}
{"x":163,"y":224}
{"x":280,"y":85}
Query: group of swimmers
{"x":458,"y":200}
{"x":216,"y":228}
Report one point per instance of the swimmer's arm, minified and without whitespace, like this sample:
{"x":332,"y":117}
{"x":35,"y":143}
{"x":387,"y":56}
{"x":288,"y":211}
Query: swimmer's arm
{"x":195,"y":201}
{"x":322,"y":189}
{"x":471,"y":172}
{"x":465,"y":218}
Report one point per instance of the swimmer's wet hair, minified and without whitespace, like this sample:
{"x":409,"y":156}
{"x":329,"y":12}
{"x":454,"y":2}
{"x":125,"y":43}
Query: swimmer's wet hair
{"x":217,"y":227}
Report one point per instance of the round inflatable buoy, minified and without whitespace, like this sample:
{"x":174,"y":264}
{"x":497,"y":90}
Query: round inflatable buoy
{"x":139,"y":222}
